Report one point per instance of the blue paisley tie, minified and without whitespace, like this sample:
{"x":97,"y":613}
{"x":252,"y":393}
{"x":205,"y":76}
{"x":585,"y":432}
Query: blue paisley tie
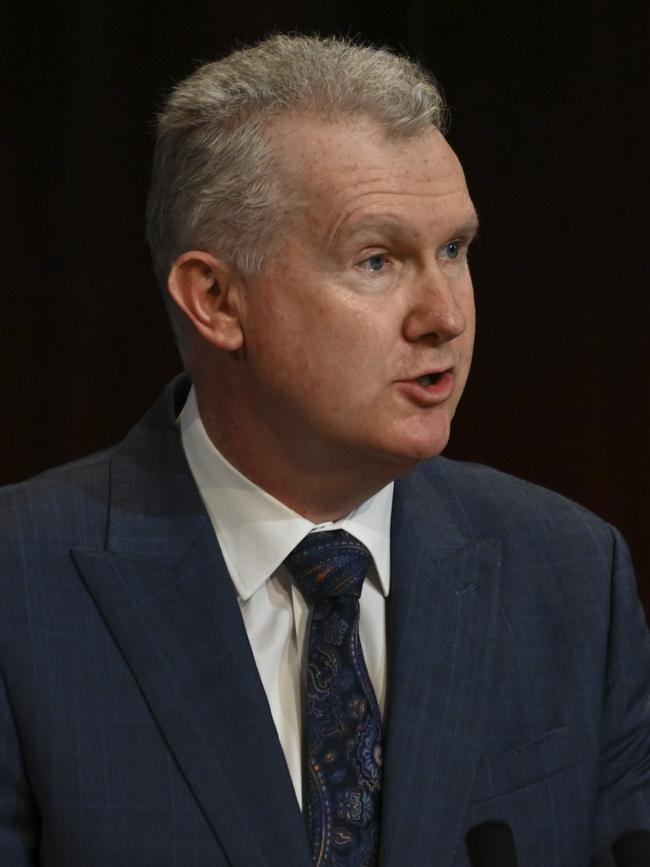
{"x":343,"y":721}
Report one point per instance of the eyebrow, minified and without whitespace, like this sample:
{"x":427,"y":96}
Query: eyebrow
{"x":468,"y":228}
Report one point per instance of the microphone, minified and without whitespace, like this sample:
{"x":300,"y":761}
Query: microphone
{"x":632,"y":849}
{"x":491,"y":844}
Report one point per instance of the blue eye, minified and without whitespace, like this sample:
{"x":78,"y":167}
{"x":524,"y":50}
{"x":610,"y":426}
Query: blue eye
{"x":452,"y":249}
{"x":377,"y":262}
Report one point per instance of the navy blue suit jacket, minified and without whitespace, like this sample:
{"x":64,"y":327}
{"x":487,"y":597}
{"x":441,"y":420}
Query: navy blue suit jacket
{"x":134,"y":729}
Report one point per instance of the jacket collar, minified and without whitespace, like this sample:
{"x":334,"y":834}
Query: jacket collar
{"x":444,"y":594}
{"x":164,"y":591}
{"x":163,"y":588}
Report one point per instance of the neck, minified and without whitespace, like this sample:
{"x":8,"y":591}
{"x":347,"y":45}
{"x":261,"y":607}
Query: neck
{"x":313,"y":485}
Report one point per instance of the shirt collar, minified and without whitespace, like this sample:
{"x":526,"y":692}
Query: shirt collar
{"x":241,"y":511}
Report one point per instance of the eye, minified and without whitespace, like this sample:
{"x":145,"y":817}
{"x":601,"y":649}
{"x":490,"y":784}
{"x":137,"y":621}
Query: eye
{"x":375,"y":263}
{"x":452,"y":249}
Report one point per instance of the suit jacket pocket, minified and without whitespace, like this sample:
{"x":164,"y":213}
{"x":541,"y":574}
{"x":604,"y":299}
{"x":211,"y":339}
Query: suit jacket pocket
{"x":525,"y":765}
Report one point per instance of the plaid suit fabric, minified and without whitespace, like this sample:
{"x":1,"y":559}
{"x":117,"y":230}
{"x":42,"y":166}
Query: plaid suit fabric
{"x":134,"y":729}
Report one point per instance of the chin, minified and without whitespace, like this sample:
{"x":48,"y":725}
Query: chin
{"x":401,"y":448}
{"x":412,"y":453}
{"x":427,"y":454}
{"x":428,"y":443}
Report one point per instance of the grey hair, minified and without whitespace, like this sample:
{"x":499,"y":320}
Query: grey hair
{"x":216,"y":185}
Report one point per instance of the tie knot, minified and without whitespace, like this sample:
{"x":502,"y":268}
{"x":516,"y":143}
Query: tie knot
{"x":329,"y":563}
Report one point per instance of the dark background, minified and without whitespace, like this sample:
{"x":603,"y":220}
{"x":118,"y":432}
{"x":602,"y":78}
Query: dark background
{"x":549,"y":109}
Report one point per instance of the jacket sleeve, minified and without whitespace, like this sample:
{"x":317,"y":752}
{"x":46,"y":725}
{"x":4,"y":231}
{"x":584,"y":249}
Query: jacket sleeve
{"x":624,"y":795}
{"x":18,"y":819}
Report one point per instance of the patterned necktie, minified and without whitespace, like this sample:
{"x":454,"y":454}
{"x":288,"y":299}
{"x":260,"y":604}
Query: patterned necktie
{"x":343,"y":721}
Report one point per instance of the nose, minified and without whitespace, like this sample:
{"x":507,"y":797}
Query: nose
{"x":439,"y":306}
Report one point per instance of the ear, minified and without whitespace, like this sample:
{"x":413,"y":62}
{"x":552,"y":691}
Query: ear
{"x":207,"y":291}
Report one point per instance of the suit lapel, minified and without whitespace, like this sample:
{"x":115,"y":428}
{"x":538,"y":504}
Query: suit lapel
{"x":441,"y":629}
{"x":164,"y":591}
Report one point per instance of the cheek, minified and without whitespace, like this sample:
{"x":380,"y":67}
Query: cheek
{"x":338,"y":338}
{"x":320,"y":340}
{"x":465,"y":341}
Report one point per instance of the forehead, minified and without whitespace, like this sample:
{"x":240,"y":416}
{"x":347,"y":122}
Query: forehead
{"x":350,"y":169}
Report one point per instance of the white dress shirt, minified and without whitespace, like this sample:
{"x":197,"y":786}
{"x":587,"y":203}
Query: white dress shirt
{"x":256,"y":532}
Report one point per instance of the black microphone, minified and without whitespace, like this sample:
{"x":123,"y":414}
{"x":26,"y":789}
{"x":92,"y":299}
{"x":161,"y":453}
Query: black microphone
{"x":491,"y":844}
{"x":632,"y":849}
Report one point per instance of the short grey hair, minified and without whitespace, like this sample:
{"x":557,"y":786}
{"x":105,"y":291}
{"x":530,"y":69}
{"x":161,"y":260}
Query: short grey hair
{"x":216,"y":183}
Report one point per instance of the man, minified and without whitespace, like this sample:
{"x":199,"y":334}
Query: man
{"x":180,"y":675}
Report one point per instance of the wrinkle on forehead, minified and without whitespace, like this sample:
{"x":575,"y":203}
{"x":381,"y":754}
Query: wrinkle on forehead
{"x":396,"y":204}
{"x":353,"y":145}
{"x":338,"y":171}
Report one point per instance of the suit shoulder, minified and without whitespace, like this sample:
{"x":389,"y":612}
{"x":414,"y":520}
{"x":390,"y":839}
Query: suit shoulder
{"x":55,"y":497}
{"x":553,"y":551}
{"x":507,"y":505}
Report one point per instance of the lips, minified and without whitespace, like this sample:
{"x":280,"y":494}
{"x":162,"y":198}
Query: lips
{"x":430,"y":388}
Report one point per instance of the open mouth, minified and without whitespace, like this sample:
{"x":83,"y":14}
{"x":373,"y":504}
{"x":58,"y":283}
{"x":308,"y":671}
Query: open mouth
{"x":429,"y":379}
{"x":430,"y":389}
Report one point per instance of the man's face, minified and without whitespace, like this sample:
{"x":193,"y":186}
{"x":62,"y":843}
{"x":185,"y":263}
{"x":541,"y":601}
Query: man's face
{"x":358,"y":335}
